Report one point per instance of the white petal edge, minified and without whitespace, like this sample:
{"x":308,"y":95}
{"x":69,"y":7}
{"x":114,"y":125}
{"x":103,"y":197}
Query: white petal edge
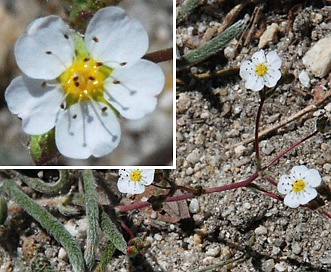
{"x":130,"y":187}
{"x":313,"y":178}
{"x":308,"y":195}
{"x":113,"y":37}
{"x":284,"y":185}
{"x":46,"y":50}
{"x":37,"y":106}
{"x":84,"y":130}
{"x":148,"y":176}
{"x":255,"y":83}
{"x":246,"y":69}
{"x":299,"y":171}
{"x":259,"y":57}
{"x":274,"y":60}
{"x":135,"y":96}
{"x":272,"y":77}
{"x":291,"y":200}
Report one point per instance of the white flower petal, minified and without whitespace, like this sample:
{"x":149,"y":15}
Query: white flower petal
{"x":130,"y":187}
{"x":46,"y":50}
{"x":255,"y":83}
{"x":307,"y":195}
{"x":272,"y":77}
{"x":259,"y":57}
{"x":298,"y":172}
{"x":112,"y":37}
{"x":84,"y":130}
{"x":313,"y":178}
{"x":38,"y":106}
{"x":134,"y":96}
{"x":247,"y":69}
{"x":284,"y":185}
{"x":291,"y":200}
{"x":274,"y":60}
{"x":148,"y":176}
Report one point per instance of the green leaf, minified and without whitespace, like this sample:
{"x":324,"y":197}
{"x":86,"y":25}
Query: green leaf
{"x":110,"y":229}
{"x":212,"y":47}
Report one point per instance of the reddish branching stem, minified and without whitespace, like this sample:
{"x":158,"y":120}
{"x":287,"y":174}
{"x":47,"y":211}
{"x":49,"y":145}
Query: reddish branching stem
{"x":289,"y":149}
{"x":236,"y":185}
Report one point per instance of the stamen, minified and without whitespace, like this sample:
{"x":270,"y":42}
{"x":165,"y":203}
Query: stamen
{"x":95,"y":39}
{"x":48,"y":52}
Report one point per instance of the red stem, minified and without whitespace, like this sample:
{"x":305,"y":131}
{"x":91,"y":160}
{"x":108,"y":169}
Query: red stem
{"x":289,"y":149}
{"x":127,"y":229}
{"x":143,"y":204}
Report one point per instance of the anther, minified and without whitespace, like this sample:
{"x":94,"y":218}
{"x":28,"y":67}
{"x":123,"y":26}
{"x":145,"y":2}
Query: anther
{"x":62,"y":106}
{"x":99,"y":63}
{"x":116,"y":82}
{"x":66,"y":36}
{"x":75,"y":78}
{"x":74,"y":116}
{"x":104,"y":109}
{"x":86,"y":59}
{"x":76,"y":83}
{"x":48,"y":52}
{"x":123,"y":63}
{"x":95,"y":39}
{"x":44,"y":84}
{"x":91,"y":78}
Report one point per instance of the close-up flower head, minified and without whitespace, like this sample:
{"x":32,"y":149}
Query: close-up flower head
{"x":81,"y":85}
{"x":299,"y":186}
{"x":262,"y":71}
{"x":133,"y":181}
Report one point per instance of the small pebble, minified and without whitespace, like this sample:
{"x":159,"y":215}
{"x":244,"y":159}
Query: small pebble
{"x":194,"y":156}
{"x":214,"y":252}
{"x":268,"y":265}
{"x":194,"y":206}
{"x":280,"y":267}
{"x":239,"y":150}
{"x":269,"y":35}
{"x":62,"y":254}
{"x":158,"y":237}
{"x":318,"y":58}
{"x":304,"y":79}
{"x":261,"y":230}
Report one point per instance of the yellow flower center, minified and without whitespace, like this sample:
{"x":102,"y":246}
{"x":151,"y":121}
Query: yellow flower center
{"x":136,"y":175}
{"x":261,"y":69}
{"x":299,"y":185}
{"x":84,"y":80}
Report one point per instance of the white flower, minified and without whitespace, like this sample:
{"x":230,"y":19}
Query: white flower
{"x":80,"y":85}
{"x":133,"y":181}
{"x":262,"y":70}
{"x":299,"y":186}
